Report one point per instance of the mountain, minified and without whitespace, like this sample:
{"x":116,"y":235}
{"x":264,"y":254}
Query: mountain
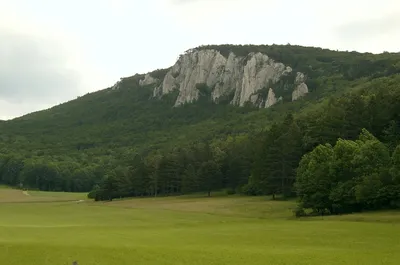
{"x":216,"y":99}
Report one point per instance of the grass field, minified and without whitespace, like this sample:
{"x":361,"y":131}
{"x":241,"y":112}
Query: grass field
{"x":8,"y":195}
{"x":224,"y":230}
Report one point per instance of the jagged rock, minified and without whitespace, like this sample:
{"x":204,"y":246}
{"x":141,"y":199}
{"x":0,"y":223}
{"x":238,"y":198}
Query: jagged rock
{"x":300,"y":78}
{"x":271,"y":99}
{"x":148,"y":80}
{"x":301,"y":88}
{"x":231,"y":78}
{"x":258,"y":72}
{"x":242,"y":77}
{"x":300,"y":91}
{"x":202,"y":67}
{"x":157,"y":92}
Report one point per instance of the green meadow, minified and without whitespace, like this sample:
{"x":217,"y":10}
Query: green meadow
{"x":39,"y":228}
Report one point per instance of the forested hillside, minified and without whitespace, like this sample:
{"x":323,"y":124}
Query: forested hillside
{"x":123,"y":142}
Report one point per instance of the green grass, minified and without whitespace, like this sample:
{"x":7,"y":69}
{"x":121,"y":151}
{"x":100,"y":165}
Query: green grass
{"x":10,"y":195}
{"x":224,"y":230}
{"x":59,"y":195}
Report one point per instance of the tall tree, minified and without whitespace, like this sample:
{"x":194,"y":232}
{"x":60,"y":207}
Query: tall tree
{"x":315,"y":178}
{"x":210,"y":176}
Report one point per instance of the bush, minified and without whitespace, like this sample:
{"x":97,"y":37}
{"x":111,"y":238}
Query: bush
{"x":92,"y":194}
{"x":230,"y":191}
{"x":299,"y":212}
{"x":251,"y":190}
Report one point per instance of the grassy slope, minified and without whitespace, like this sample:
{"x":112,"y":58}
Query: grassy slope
{"x":9,"y":195}
{"x":225,"y":230}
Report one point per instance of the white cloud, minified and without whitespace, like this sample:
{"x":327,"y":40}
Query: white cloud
{"x":34,"y":69}
{"x":308,"y":22}
{"x":41,"y":64}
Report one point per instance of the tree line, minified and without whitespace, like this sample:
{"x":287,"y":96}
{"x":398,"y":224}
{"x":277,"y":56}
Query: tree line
{"x":303,"y":149}
{"x":129,"y":145}
{"x":200,"y":167}
{"x":267,"y":163}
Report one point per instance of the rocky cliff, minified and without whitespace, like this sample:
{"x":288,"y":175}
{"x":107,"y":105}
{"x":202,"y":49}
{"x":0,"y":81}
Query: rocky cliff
{"x":255,"y":78}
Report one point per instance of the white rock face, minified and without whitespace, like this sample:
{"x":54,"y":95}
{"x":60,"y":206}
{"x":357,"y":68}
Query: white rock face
{"x":203,"y":67}
{"x":148,"y":80}
{"x":300,"y":91}
{"x":240,"y":77}
{"x":231,"y":78}
{"x":258,"y":72}
{"x":301,"y":88}
{"x":271,"y":99}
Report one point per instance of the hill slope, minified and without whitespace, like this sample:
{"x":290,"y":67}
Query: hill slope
{"x":72,"y":146}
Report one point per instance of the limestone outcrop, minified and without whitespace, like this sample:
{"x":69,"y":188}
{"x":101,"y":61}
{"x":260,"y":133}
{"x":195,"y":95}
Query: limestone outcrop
{"x":271,"y":99}
{"x":301,"y":88}
{"x":239,"y":79}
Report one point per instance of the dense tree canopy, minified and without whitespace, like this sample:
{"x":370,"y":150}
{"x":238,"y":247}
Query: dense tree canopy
{"x":350,"y":176}
{"x":338,"y":149}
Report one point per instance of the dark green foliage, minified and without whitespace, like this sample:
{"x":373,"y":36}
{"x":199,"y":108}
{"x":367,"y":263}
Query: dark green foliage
{"x":160,"y":73}
{"x":395,"y":169}
{"x":204,"y":90}
{"x":315,"y":177}
{"x":360,"y":172}
{"x":281,"y":148}
{"x":276,"y":161}
{"x":102,"y":130}
{"x":350,"y":177}
{"x":201,"y":167}
{"x":392,"y":135}
{"x":210,"y":176}
{"x":226,"y":98}
{"x":123,"y":142}
{"x":94,"y":192}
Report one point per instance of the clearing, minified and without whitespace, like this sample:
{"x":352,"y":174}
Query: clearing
{"x":53,"y":228}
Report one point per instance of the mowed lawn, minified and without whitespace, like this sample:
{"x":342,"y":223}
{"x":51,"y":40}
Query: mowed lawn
{"x":224,"y":230}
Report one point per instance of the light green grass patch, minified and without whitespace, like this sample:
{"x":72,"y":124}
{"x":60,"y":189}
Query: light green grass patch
{"x":177,"y":231}
{"x":59,"y":195}
{"x":9,"y":195}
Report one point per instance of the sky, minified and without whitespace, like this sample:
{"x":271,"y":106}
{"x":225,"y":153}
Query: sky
{"x":52,"y":51}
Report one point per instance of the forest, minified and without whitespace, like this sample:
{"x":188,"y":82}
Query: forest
{"x":336,"y":151}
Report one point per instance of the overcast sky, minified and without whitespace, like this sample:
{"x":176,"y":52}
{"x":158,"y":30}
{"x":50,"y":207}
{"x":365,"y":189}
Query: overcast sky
{"x":52,"y":51}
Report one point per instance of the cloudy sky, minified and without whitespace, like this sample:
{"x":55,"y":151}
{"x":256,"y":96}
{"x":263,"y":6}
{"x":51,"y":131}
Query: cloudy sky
{"x":52,"y":51}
